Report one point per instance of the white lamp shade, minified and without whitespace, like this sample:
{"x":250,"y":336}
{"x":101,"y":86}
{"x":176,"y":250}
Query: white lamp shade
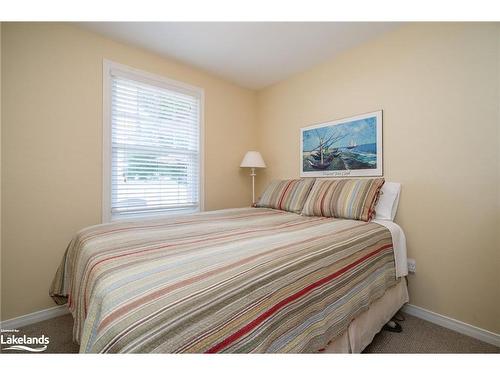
{"x":253,"y":159}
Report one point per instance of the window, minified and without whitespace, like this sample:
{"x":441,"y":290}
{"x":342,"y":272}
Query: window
{"x":152,"y":138}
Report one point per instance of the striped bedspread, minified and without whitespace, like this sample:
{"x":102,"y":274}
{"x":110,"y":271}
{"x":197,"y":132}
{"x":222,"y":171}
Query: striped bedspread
{"x":238,"y":280}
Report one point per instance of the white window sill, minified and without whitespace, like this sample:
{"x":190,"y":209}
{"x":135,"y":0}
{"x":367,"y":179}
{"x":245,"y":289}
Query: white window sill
{"x":152,"y":215}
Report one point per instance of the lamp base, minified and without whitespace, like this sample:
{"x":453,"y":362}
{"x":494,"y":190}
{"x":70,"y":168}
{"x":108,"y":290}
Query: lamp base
{"x":253,"y":186}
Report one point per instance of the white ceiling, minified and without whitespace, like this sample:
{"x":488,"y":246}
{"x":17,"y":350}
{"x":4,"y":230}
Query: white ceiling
{"x":251,"y":54}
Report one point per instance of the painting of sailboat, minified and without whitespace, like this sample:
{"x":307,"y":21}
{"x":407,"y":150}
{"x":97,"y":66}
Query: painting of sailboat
{"x":346,"y":147}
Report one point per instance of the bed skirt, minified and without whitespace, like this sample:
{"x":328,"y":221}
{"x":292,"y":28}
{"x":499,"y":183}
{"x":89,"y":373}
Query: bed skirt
{"x":363,"y":329}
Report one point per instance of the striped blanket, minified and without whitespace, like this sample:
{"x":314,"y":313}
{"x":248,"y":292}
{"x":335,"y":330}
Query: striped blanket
{"x":238,"y":280}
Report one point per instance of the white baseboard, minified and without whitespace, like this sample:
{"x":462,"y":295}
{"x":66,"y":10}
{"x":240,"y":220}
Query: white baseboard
{"x":35,"y":317}
{"x":453,"y":324}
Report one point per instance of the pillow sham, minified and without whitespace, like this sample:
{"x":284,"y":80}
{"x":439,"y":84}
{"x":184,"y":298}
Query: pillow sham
{"x":344,"y":198}
{"x":286,"y":195}
{"x":387,"y":205}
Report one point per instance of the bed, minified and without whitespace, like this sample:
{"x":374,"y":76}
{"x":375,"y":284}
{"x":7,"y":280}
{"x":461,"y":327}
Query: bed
{"x":245,"y":280}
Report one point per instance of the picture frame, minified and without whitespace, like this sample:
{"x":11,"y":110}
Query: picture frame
{"x":347,"y":147}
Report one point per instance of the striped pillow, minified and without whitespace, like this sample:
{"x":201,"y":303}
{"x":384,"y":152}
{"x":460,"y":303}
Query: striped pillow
{"x":287,"y":195}
{"x":347,"y":199}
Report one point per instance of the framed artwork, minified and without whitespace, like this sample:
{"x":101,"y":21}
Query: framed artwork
{"x":349,"y":147}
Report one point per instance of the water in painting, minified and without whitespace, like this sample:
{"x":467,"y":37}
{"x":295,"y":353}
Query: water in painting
{"x":346,"y":146}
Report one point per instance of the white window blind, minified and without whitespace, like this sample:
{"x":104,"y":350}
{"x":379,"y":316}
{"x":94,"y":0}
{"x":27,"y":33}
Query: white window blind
{"x":155,"y":148}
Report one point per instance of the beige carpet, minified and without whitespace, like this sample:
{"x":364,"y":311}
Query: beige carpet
{"x":418,"y":336}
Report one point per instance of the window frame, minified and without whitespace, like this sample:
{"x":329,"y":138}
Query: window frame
{"x":139,"y":75}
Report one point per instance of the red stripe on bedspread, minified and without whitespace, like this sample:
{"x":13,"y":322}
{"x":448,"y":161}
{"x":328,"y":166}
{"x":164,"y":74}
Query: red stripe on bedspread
{"x":214,"y":237}
{"x":250,"y":326}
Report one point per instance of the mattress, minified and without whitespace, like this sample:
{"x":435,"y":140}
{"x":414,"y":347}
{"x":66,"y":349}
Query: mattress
{"x":248,"y":280}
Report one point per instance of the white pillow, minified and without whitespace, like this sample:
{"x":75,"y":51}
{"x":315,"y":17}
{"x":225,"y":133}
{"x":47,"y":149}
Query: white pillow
{"x":388,"y":201}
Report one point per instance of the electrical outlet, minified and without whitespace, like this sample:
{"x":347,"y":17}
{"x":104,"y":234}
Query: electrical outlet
{"x":412,"y":265}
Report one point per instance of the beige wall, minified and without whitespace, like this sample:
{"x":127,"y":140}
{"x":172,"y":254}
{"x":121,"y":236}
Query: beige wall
{"x":51,"y":154}
{"x":438,"y":85}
